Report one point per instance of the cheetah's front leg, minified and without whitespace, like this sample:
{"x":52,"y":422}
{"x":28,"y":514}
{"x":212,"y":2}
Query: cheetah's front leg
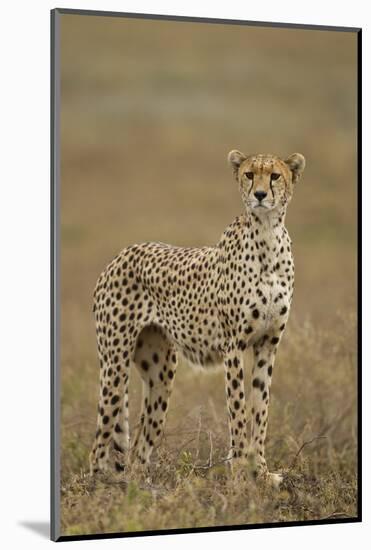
{"x":234,"y":385}
{"x":264,"y":355}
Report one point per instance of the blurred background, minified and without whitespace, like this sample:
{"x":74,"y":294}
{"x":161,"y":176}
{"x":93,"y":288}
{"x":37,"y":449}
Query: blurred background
{"x":149,"y":111}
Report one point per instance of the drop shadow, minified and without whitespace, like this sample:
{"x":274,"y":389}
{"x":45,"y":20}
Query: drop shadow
{"x":42,"y":528}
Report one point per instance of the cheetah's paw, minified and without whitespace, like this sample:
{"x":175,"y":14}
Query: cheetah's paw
{"x":274,"y":479}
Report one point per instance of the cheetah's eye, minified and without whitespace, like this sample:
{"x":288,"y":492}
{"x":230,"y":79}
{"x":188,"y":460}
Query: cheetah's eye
{"x":249,"y":175}
{"x":275,"y":177}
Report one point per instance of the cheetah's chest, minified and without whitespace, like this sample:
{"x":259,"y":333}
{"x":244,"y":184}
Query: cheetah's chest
{"x":260,"y":301}
{"x":273,"y":301}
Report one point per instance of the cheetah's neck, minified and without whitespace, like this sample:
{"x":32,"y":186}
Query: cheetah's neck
{"x":254,"y":238}
{"x":268,"y":223}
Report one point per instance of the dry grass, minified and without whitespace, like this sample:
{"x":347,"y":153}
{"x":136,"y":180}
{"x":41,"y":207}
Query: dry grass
{"x":146,"y":127}
{"x":312,"y":437}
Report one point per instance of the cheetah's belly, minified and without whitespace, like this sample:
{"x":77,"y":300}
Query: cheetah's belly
{"x":197,"y":334}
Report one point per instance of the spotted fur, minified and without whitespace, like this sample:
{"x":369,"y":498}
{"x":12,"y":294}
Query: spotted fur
{"x":211,"y":304}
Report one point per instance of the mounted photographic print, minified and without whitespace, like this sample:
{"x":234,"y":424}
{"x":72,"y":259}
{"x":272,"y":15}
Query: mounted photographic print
{"x":205,"y":192}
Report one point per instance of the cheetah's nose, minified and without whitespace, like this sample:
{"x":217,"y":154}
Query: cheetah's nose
{"x":260,"y":195}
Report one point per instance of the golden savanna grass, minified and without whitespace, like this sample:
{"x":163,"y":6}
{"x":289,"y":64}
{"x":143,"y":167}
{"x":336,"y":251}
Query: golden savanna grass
{"x":149,"y":111}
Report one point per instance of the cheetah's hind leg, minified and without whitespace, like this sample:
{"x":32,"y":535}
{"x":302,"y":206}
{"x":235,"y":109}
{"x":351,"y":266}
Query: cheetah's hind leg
{"x":156,"y":361}
{"x":113,"y":412}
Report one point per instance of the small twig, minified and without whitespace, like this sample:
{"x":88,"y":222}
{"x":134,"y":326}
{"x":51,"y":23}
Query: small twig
{"x":336,"y":421}
{"x":213,"y":410}
{"x":302,"y":447}
{"x":198,"y":437}
{"x":208,"y":466}
{"x":120,"y":483}
{"x":337,"y":515}
{"x":224,"y":502}
{"x":188,"y":432}
{"x":211,"y":449}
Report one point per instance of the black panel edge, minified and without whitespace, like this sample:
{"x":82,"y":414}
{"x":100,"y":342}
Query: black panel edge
{"x":66,"y":538}
{"x":70,"y":11}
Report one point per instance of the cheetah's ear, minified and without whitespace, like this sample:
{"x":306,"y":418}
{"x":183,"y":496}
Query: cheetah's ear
{"x":235,"y":159}
{"x":296,"y":163}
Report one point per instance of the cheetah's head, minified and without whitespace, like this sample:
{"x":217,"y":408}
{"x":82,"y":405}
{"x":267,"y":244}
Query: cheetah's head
{"x":266,"y":182}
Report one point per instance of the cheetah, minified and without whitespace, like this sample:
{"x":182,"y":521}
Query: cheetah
{"x":155,"y":301}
